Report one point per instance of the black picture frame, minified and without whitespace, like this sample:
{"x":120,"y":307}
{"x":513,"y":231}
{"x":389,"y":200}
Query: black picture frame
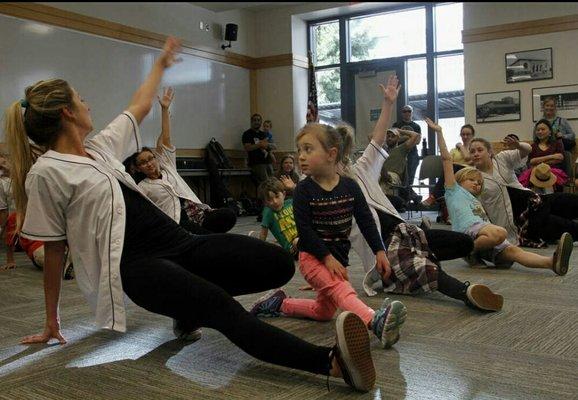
{"x":498,"y":106}
{"x":566,"y":101}
{"x":529,"y":65}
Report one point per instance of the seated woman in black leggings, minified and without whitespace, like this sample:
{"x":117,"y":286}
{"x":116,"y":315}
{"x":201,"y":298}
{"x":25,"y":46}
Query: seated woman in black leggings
{"x":78,"y":192}
{"x":444,"y":244}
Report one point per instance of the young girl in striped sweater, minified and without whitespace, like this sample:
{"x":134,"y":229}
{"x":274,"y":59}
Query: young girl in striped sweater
{"x":324,"y":204}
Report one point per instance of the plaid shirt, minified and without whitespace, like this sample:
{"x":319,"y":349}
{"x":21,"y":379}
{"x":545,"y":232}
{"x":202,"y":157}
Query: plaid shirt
{"x":414,"y":266}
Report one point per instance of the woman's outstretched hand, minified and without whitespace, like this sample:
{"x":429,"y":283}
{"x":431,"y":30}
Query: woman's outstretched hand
{"x":51,"y":331}
{"x":167,"y":99}
{"x":432,"y":125}
{"x":171,"y":48}
{"x":391,"y":91}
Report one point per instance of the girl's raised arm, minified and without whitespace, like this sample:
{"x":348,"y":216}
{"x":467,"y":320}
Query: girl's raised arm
{"x":165,"y":102}
{"x":142,"y":100}
{"x":448,"y":165}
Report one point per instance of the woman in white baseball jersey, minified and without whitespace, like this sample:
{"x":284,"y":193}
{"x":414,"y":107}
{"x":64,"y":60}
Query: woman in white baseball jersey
{"x":78,"y":192}
{"x":169,"y":191}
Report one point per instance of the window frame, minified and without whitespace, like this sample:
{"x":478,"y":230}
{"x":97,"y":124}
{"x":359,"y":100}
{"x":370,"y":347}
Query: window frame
{"x":430,"y":55}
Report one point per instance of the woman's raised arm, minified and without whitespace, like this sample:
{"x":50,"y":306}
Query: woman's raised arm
{"x":165,"y":102}
{"x":142,"y":100}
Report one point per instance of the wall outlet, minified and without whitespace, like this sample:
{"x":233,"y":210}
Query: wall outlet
{"x":201,"y":25}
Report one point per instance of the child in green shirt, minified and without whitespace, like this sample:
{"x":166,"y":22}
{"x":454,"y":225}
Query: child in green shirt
{"x":278,"y":215}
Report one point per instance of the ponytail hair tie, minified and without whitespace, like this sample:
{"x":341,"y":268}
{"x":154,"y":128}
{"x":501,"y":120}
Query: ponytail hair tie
{"x":24,"y":103}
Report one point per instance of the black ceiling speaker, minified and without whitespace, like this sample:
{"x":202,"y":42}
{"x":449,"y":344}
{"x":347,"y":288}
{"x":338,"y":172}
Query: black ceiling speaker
{"x":230,"y":34}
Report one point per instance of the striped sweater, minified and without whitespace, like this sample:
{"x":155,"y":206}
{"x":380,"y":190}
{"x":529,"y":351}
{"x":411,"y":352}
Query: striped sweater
{"x":324,"y":219}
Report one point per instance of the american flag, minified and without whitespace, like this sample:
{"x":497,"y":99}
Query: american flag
{"x":312,"y":110}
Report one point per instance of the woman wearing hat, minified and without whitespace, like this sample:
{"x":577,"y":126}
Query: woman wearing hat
{"x":548,"y":150}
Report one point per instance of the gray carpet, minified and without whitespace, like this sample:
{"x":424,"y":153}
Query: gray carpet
{"x":529,"y":350}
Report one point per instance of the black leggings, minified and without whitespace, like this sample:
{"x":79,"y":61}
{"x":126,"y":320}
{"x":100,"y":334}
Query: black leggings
{"x":219,"y":220}
{"x":197,"y":287}
{"x":556,"y":216}
{"x":445,"y":244}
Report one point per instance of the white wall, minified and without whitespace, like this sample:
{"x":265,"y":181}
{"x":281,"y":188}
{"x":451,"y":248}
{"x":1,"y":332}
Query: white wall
{"x":478,"y":15}
{"x":171,"y":18}
{"x":275,"y":102}
{"x":484,"y":62}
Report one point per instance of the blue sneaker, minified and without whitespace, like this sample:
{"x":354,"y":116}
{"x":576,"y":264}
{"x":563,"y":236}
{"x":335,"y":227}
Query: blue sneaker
{"x":387,"y":321}
{"x":269,"y":305}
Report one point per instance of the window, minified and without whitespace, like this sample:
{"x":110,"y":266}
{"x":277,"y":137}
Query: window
{"x":395,"y":35}
{"x":449,"y":22}
{"x":326,"y":44}
{"x":450,"y":88}
{"x":387,"y":35}
{"x":329,"y":94}
{"x":450,"y":76}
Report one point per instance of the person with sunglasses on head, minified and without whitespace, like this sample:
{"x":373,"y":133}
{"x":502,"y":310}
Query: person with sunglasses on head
{"x":408,"y":124}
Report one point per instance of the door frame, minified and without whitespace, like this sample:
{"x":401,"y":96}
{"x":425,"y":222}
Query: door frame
{"x":348,"y":84}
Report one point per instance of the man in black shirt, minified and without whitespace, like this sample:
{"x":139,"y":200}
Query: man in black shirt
{"x":407,"y":123}
{"x":256,"y":143}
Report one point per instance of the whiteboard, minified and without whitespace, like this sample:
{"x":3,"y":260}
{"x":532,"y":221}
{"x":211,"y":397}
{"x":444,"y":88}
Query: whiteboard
{"x":211,"y":98}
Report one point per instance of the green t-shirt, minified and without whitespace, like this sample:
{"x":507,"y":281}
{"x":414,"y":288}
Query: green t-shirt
{"x":281,"y":224}
{"x":397,"y":160}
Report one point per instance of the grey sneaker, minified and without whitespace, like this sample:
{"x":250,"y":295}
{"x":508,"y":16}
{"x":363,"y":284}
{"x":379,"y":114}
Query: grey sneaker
{"x":480,"y":297}
{"x":353,"y":352}
{"x":561,"y":258}
{"x":187,"y":334}
{"x":387,"y":321}
{"x":269,"y":305}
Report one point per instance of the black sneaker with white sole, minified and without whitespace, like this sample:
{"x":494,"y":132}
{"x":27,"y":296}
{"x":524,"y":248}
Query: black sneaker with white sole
{"x":186,"y":333}
{"x":353,"y":353}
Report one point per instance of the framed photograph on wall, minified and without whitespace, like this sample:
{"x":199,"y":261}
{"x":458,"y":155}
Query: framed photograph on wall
{"x":498,"y":106}
{"x":566,"y":101}
{"x":530,"y":65}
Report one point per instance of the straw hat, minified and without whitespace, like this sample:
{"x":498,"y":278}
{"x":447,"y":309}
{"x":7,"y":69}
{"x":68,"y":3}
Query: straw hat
{"x":542,"y":176}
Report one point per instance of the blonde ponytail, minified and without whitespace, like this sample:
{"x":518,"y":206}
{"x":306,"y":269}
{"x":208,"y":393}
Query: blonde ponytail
{"x":346,"y":132}
{"x":20,"y":158}
{"x":38,"y":117}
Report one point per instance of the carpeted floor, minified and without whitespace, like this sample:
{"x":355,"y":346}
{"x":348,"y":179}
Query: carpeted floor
{"x":529,"y":350}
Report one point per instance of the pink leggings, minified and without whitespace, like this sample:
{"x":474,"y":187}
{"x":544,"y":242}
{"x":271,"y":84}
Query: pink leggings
{"x":332,"y":293}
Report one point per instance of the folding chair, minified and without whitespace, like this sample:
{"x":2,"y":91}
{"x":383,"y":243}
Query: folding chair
{"x":431,"y":168}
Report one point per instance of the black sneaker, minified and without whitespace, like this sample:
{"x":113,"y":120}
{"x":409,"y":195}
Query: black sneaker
{"x":353,"y":353}
{"x":183,"y":332}
{"x":480,"y":297}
